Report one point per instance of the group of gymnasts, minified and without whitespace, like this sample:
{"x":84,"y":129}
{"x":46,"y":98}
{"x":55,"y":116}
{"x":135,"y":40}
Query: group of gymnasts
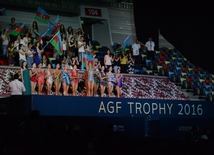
{"x":96,"y":80}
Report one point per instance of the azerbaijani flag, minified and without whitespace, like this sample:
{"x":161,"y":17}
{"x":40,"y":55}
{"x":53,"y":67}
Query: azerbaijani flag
{"x":88,"y":57}
{"x":123,"y":46}
{"x":40,"y":36}
{"x":3,"y":12}
{"x":56,"y":41}
{"x":54,"y":27}
{"x":14,"y":31}
{"x":42,"y":16}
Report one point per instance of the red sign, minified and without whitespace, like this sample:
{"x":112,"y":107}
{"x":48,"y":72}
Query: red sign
{"x":93,"y":12}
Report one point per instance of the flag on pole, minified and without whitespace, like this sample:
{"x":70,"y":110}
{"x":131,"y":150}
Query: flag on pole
{"x":88,"y":57}
{"x":3,"y":12}
{"x":14,"y":31}
{"x":40,"y":36}
{"x":123,"y":46}
{"x":56,"y":41}
{"x":54,"y":27}
{"x":42,"y":16}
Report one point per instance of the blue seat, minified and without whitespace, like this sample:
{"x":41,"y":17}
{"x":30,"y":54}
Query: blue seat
{"x":178,"y":68}
{"x":136,"y":71}
{"x":147,"y":61}
{"x":170,"y":74}
{"x":142,"y":71}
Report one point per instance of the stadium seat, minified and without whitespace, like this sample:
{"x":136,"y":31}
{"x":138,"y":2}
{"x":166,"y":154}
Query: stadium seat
{"x":48,"y":54}
{"x":3,"y":62}
{"x":136,"y":71}
{"x":147,"y":62}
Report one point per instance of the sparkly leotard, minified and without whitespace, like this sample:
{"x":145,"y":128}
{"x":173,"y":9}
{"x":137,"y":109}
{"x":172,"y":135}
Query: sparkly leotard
{"x":74,"y":75}
{"x":119,"y":81}
{"x":50,"y":77}
{"x":41,"y":78}
{"x":90,"y":75}
{"x":66,"y":77}
{"x":103,"y":79}
{"x":111,"y":78}
{"x":33,"y":78}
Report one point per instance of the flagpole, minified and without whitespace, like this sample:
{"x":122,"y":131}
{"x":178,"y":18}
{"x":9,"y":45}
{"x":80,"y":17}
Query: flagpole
{"x":50,"y":40}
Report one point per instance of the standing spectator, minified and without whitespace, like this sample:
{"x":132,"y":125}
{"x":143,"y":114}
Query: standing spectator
{"x":5,"y":41}
{"x":16,"y":100}
{"x":136,"y":52}
{"x":62,"y":30}
{"x":11,"y":52}
{"x":34,"y":29}
{"x":150,"y":46}
{"x":44,"y":61}
{"x":13,"y":25}
{"x":38,"y":53}
{"x":72,"y":47}
{"x":25,"y":75}
{"x":81,"y":50}
{"x":130,"y":64}
{"x":17,"y":42}
{"x":123,"y":62}
{"x":70,"y":32}
{"x":108,"y":59}
{"x":64,"y":45}
{"x":26,"y":40}
{"x":22,"y":54}
{"x":29,"y":53}
{"x":116,"y":62}
{"x":79,"y":34}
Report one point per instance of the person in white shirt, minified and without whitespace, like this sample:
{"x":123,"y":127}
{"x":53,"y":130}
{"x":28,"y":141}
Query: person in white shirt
{"x":29,"y":53}
{"x":22,"y":54}
{"x":26,"y":40}
{"x":108,"y":59}
{"x":5,"y":41}
{"x":150,"y":46}
{"x":16,"y":88}
{"x":18,"y":41}
{"x":136,"y":47}
{"x":81,"y":50}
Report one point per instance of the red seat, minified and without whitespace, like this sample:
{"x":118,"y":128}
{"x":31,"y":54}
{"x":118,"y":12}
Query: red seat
{"x":3,"y":62}
{"x":47,"y":53}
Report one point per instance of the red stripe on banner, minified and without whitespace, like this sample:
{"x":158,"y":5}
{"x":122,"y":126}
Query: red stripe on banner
{"x":56,"y":39}
{"x":42,"y":15}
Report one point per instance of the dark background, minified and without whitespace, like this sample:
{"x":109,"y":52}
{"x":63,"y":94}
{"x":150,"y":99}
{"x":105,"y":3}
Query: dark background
{"x":187,"y":25}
